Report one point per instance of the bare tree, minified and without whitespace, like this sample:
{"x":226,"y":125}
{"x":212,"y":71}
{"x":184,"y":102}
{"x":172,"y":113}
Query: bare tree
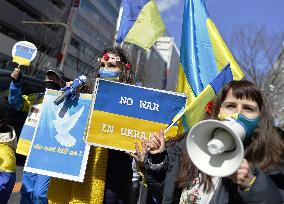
{"x":260,"y":55}
{"x":46,"y":47}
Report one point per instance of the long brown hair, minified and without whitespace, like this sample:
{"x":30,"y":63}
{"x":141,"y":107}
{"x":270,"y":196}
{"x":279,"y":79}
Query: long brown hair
{"x":265,"y":149}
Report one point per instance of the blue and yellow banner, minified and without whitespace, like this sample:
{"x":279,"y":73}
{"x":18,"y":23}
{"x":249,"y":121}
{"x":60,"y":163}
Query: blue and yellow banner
{"x":58,"y":148}
{"x":203,"y":54}
{"x":124,"y":114}
{"x":140,"y":23}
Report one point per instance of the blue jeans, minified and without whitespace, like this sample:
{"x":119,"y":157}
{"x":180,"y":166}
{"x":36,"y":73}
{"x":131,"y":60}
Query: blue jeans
{"x":34,"y":188}
{"x":7,"y":181}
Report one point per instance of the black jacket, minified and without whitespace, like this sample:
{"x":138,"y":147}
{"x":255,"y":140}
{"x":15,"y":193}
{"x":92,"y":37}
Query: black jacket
{"x":267,"y":189}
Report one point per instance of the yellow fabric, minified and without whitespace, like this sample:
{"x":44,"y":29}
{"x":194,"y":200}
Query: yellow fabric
{"x":124,"y":132}
{"x":222,"y":115}
{"x":147,"y":28}
{"x":195,"y":111}
{"x":222,"y":54}
{"x":7,"y":159}
{"x":29,"y":100}
{"x":91,"y":191}
{"x":184,"y":87}
{"x":23,"y":146}
{"x":21,"y":60}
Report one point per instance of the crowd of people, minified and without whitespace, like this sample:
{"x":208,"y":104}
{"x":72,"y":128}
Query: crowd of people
{"x":161,"y":171}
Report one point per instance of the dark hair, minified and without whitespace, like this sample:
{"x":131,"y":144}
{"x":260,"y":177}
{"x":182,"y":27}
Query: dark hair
{"x":126,"y":76}
{"x":4,"y":111}
{"x":265,"y":149}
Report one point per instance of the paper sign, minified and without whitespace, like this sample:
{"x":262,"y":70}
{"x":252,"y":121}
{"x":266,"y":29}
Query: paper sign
{"x":58,"y":148}
{"x":24,"y":52}
{"x":124,"y":114}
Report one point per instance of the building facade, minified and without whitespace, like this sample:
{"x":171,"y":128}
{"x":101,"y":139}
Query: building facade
{"x":93,"y":30}
{"x":150,"y":67}
{"x":47,"y":38}
{"x":87,"y":28}
{"x":170,"y":53}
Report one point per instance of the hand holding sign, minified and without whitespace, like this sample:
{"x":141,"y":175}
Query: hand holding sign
{"x":16,"y":74}
{"x":24,"y":52}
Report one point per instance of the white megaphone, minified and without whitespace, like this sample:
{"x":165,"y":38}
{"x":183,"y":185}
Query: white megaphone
{"x":216,"y":147}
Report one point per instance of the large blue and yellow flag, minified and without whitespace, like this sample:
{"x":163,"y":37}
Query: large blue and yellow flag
{"x":141,"y":23}
{"x":203,"y":54}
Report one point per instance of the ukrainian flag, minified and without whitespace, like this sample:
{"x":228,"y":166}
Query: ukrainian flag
{"x":141,"y":23}
{"x":203,"y":54}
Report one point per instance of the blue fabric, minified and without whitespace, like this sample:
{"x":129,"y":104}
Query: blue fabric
{"x":196,"y":52}
{"x":7,"y":182}
{"x":15,"y":95}
{"x":107,"y":73}
{"x":34,"y":188}
{"x":223,"y":78}
{"x":131,"y":10}
{"x":248,"y":124}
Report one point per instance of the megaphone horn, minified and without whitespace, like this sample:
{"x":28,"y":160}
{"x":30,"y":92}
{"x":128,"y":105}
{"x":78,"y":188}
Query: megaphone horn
{"x":216,"y":147}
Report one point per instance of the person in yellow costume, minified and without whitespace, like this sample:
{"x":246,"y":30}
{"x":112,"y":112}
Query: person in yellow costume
{"x":8,"y":143}
{"x":108,"y":177}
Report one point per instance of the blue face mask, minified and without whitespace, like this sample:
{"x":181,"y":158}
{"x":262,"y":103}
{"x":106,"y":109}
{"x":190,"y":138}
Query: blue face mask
{"x":109,"y":74}
{"x":248,"y":124}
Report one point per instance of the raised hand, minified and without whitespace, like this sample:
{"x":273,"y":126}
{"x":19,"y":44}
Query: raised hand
{"x":139,"y":156}
{"x":16,"y":73}
{"x":156,"y":143}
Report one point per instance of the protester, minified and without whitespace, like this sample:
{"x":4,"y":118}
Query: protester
{"x":8,"y":142}
{"x":173,"y":178}
{"x":34,"y":186}
{"x":109,"y":172}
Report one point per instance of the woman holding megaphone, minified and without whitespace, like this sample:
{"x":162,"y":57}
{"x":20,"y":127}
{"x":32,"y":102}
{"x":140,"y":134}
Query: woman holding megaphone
{"x":173,"y":177}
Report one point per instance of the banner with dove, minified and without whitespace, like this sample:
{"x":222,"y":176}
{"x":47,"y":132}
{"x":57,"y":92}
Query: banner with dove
{"x":123,"y":114}
{"x":58,"y":148}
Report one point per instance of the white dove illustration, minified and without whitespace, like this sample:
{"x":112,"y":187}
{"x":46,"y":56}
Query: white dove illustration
{"x":64,"y":125}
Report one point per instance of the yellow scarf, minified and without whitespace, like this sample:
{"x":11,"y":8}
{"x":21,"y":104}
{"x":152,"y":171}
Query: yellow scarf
{"x":91,"y":191}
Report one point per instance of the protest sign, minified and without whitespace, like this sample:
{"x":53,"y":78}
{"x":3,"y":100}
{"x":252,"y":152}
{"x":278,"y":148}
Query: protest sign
{"x":58,"y":148}
{"x":30,"y":125}
{"x":124,"y":114}
{"x":24,"y":52}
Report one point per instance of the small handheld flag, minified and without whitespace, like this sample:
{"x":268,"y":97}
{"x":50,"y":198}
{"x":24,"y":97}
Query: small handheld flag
{"x":24,"y":52}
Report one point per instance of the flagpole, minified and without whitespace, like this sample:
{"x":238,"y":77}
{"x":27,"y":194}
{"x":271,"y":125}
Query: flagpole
{"x":117,"y":26}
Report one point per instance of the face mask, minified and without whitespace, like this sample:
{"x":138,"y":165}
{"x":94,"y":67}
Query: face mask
{"x":109,"y":74}
{"x":52,"y":85}
{"x":248,"y":124}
